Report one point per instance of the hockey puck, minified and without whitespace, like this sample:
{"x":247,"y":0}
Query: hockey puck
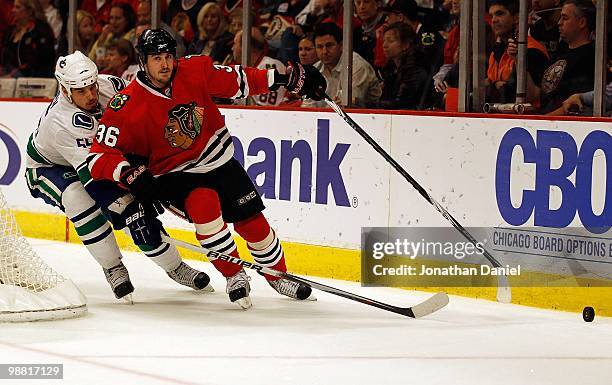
{"x":588,"y":314}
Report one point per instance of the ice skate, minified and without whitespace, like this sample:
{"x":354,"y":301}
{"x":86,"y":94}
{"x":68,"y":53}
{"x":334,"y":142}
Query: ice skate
{"x":190,"y":277}
{"x":238,"y":289}
{"x":293,"y":290}
{"x":119,"y":280}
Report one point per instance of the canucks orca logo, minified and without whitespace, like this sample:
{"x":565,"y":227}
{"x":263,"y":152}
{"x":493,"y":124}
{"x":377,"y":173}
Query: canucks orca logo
{"x":82,"y":120}
{"x":117,"y":102}
{"x":184,"y":125}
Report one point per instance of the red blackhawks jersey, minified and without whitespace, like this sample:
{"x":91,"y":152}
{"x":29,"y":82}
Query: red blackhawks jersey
{"x":177,"y":129}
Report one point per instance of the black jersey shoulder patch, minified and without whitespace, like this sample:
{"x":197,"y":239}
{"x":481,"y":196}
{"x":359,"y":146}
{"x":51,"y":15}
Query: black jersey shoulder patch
{"x":428,"y":39}
{"x":82,"y":120}
{"x":117,"y":102}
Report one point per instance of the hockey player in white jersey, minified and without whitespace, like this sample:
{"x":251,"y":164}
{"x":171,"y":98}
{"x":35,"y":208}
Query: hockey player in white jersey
{"x":57,"y":173}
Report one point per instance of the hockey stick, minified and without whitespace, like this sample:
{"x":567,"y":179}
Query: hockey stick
{"x":504,"y":293}
{"x":430,"y":305}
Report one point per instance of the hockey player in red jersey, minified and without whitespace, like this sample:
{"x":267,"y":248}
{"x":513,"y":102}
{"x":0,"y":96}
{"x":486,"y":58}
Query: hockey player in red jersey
{"x":167,"y":116}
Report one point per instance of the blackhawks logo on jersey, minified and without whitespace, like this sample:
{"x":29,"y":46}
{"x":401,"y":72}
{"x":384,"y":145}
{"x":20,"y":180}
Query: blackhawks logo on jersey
{"x":117,"y":101}
{"x":184,"y":125}
{"x":428,"y":39}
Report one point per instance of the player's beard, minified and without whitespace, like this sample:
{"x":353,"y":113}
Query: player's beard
{"x":164,"y":78}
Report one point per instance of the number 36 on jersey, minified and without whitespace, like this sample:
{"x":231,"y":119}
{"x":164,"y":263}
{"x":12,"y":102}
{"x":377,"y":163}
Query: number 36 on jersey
{"x":107,"y":135}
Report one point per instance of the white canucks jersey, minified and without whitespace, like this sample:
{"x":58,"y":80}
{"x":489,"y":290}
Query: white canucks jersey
{"x":130,"y":73}
{"x":65,"y":132}
{"x":272,"y":98}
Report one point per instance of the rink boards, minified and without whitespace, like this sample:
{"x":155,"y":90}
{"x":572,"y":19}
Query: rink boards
{"x":322,"y":183}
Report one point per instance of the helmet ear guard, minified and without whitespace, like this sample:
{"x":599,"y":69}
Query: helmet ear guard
{"x":75,"y":71}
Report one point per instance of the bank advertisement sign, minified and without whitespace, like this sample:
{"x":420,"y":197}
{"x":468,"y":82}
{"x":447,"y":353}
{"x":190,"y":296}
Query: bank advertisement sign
{"x":543,"y":183}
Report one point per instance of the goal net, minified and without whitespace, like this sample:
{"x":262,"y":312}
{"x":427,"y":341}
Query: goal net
{"x":30,"y":290}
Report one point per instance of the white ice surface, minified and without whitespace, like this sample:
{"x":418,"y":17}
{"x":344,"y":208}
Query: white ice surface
{"x":172,"y":335}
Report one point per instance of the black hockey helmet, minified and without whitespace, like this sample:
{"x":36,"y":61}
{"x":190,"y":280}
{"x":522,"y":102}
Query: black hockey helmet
{"x":153,"y":42}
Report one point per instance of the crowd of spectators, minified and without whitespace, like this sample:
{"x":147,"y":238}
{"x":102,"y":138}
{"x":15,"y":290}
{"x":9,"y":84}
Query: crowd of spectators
{"x":405,"y":52}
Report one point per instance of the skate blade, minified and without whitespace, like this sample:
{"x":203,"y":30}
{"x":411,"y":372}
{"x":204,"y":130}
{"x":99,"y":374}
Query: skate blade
{"x":128,"y":299}
{"x":245,"y":302}
{"x":311,"y":297}
{"x":207,"y":289}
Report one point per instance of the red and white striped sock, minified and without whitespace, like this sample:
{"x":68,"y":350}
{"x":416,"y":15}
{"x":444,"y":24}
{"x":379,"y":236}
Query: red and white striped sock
{"x":204,"y":209}
{"x":264,"y":245}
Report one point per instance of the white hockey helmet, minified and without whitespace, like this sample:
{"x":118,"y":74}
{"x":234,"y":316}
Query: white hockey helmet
{"x":75,"y":71}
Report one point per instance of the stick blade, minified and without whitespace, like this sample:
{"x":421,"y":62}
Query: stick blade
{"x":430,"y":305}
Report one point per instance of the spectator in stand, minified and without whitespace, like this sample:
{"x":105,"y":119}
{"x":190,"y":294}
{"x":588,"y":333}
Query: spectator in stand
{"x":450,"y":49}
{"x":100,"y":9}
{"x":28,"y":46}
{"x":583,"y":103}
{"x":279,"y":18}
{"x":307,"y":55}
{"x":182,"y":16}
{"x":501,"y":73}
{"x":86,"y":33}
{"x":314,"y":13}
{"x":234,"y":26}
{"x":289,"y":40}
{"x":307,"y":52}
{"x":6,"y":17}
{"x":260,"y":60}
{"x":442,"y":18}
{"x":122,"y":20}
{"x":430,"y":44}
{"x":234,"y":21}
{"x":130,"y":73}
{"x":545,"y":16}
{"x":181,"y":24}
{"x":143,"y":18}
{"x":321,"y":11}
{"x":365,"y":86}
{"x":212,"y":38}
{"x":53,"y":17}
{"x":369,"y":34}
{"x":451,"y":86}
{"x":119,"y":56}
{"x":404,"y":80}
{"x":287,"y":9}
{"x":573,"y":71}
{"x":447,"y":78}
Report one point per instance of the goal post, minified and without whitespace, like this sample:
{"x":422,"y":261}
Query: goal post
{"x":30,"y":290}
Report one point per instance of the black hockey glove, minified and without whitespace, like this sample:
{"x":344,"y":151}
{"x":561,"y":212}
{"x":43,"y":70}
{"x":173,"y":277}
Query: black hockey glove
{"x":304,"y":80}
{"x":140,"y":182}
{"x":144,"y":226}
